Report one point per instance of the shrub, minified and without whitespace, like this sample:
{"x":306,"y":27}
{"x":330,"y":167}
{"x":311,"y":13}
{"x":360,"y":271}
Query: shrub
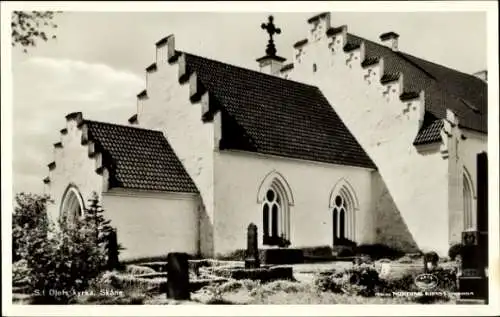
{"x":29,"y":221}
{"x":19,"y":272}
{"x":447,"y":279}
{"x":405,"y":283}
{"x":360,"y":280}
{"x":455,"y":250}
{"x":328,"y":283}
{"x":59,"y":261}
{"x":366,"y":277}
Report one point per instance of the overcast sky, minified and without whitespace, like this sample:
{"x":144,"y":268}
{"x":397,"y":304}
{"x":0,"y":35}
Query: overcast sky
{"x":97,"y":63}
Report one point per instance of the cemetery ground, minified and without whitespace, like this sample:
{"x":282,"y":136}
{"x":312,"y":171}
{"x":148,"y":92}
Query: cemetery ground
{"x":381,"y":281}
{"x":78,"y":264}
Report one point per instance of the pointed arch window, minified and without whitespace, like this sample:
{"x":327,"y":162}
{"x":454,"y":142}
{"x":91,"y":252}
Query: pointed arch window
{"x":72,"y":205}
{"x":343,"y":204}
{"x":275,"y":200}
{"x":470,"y":221}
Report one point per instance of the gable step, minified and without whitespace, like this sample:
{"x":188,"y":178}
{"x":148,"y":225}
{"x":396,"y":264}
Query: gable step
{"x":389,"y":77}
{"x":372,"y":60}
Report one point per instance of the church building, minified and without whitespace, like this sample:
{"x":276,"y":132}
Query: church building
{"x":352,"y":142}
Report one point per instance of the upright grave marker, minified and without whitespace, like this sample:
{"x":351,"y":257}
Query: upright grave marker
{"x":178,"y":276}
{"x":473,"y":282}
{"x":252,"y":253}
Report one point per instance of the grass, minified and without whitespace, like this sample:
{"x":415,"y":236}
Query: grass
{"x":137,"y":290}
{"x":248,"y":292}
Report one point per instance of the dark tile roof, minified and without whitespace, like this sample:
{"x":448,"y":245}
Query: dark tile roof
{"x":388,"y":35}
{"x":300,"y":43}
{"x":444,"y":87}
{"x":286,"y":67}
{"x":317,"y":17}
{"x":133,"y":119}
{"x":430,"y":130}
{"x":388,"y":77}
{"x":333,"y":31}
{"x":275,"y":116}
{"x":138,"y":158}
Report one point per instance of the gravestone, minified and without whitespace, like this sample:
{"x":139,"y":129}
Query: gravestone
{"x":385,"y":270}
{"x":112,"y":250}
{"x":431,"y":260}
{"x":473,"y":283}
{"x":252,"y":253}
{"x":178,"y":276}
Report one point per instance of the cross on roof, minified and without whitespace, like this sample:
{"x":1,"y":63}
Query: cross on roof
{"x":271,"y":30}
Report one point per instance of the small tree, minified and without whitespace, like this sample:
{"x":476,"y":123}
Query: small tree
{"x":29,"y":220}
{"x":104,"y":234}
{"x":60,"y":261}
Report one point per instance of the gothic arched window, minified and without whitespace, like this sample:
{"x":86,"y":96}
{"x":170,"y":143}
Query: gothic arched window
{"x":72,"y":205}
{"x":275,"y":198}
{"x":468,"y":202}
{"x":343,"y":206}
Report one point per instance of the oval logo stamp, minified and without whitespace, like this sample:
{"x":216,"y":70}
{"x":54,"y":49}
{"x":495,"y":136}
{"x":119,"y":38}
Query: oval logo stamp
{"x":426,"y":281}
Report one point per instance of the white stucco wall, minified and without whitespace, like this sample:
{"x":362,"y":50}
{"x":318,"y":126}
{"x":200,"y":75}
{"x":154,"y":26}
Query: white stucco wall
{"x":389,"y":225}
{"x":473,"y":144}
{"x":467,"y":149}
{"x":73,"y":166}
{"x":239,"y":176}
{"x":153,"y":224}
{"x":169,"y":109}
{"x":386,"y":128}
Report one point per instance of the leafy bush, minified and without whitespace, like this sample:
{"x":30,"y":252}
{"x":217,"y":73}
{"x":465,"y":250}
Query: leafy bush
{"x":366,"y":278}
{"x":405,"y":283}
{"x":447,"y":279}
{"x":29,"y":220}
{"x":59,"y":261}
{"x":359,"y":280}
{"x":19,"y":272}
{"x":455,"y":250}
{"x":329,"y":282}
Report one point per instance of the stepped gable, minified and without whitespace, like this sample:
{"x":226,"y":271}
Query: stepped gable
{"x":138,"y":158}
{"x":275,"y":116}
{"x":133,"y":158}
{"x":444,"y":88}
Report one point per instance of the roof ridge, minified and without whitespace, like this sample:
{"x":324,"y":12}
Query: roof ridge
{"x":121,"y":125}
{"x":403,"y":53}
{"x":444,"y":66}
{"x":398,"y":53}
{"x":248,"y":69}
